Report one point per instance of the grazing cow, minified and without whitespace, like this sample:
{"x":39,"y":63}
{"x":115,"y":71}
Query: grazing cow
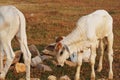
{"x":12,"y":23}
{"x":90,"y":30}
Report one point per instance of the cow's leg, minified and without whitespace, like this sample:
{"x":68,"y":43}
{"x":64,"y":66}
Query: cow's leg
{"x":26,"y":53}
{"x":77,"y":75}
{"x":110,"y":54}
{"x":1,"y":62}
{"x":101,"y":56}
{"x":92,"y":59}
{"x":1,"y":58}
{"x":10,"y":56}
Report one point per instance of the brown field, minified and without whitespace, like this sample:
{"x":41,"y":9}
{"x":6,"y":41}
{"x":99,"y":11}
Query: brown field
{"x":47,"y":19}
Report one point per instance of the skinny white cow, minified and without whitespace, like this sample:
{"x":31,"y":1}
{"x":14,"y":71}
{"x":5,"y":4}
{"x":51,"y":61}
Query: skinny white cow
{"x":89,"y":30}
{"x":12,"y":23}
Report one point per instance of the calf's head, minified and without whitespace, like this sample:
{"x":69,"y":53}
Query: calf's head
{"x":62,"y":53}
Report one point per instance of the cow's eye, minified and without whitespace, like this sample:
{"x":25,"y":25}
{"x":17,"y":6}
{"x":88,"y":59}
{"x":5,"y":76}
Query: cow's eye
{"x":61,"y":52}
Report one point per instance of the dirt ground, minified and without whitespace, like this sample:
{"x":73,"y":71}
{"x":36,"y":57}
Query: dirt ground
{"x":47,"y":19}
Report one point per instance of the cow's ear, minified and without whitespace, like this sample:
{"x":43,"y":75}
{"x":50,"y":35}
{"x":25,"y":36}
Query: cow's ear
{"x":58,"y":39}
{"x":51,"y":47}
{"x":58,"y":46}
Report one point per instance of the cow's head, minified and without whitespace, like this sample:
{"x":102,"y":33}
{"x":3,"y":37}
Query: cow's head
{"x":62,"y":53}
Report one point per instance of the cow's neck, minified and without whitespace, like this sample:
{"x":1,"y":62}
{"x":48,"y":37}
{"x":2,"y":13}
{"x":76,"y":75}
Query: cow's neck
{"x":76,"y":46}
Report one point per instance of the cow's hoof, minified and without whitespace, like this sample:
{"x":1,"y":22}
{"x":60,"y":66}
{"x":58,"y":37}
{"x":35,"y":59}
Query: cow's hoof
{"x":99,"y":69}
{"x":110,"y":77}
{"x":92,"y":78}
{"x":2,"y":77}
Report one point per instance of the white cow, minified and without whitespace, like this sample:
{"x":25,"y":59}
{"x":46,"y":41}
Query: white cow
{"x":89,"y":30}
{"x":12,"y":23}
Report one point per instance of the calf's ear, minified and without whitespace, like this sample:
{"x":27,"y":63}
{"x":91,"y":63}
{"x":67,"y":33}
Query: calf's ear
{"x":58,"y":46}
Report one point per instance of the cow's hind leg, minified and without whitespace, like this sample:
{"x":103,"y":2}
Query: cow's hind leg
{"x":1,"y":58}
{"x":101,"y":56}
{"x":26,"y":53}
{"x":110,"y":54}
{"x":10,"y":56}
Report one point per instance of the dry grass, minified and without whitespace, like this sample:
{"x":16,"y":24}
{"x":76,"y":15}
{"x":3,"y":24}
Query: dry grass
{"x":47,"y":19}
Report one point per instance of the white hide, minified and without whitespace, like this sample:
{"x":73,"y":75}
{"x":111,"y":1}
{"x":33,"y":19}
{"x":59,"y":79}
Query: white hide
{"x":89,"y":29}
{"x":85,"y":58}
{"x":86,"y":55}
{"x":12,"y":23}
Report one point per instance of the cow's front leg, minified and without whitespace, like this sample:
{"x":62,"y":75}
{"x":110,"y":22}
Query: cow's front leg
{"x":92,"y":60}
{"x":79,"y":61}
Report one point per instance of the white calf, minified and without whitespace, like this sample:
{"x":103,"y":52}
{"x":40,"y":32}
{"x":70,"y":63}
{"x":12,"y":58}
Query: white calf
{"x":89,"y":30}
{"x":12,"y":23}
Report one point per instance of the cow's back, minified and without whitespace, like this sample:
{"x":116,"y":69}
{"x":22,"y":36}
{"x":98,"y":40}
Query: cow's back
{"x":97,"y":24}
{"x":9,"y":16}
